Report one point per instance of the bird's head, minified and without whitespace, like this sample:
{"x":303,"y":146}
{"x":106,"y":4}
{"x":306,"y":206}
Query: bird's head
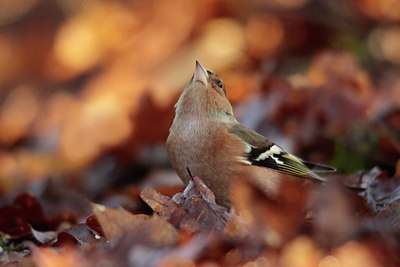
{"x":204,"y":95}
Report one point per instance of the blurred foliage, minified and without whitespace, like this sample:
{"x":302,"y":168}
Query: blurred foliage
{"x":87,"y":90}
{"x":70,"y":71}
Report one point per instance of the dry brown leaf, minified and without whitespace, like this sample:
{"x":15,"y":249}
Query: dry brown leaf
{"x":65,"y":257}
{"x":25,"y":213}
{"x":160,"y":204}
{"x":193,"y":210}
{"x":80,"y":234}
{"x":375,"y":187}
{"x":151,"y":229}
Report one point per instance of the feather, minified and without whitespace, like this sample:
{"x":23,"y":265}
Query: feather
{"x":264,"y":153}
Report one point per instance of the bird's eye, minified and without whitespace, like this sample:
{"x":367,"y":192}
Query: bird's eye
{"x":220,"y":84}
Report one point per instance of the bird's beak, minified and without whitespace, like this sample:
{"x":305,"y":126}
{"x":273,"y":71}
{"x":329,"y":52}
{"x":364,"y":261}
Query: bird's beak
{"x":200,"y":74}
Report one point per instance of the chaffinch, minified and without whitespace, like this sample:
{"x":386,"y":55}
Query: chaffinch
{"x":207,"y":141}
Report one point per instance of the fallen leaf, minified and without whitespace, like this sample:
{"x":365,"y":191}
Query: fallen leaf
{"x":192,"y":211}
{"x":147,"y":229}
{"x":43,"y":237}
{"x":79,"y":234}
{"x":64,"y":257}
{"x":26,"y":212}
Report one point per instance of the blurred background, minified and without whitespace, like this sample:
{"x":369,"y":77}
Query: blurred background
{"x":87,"y":88}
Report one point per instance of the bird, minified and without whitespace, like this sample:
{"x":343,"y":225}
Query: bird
{"x":207,"y":141}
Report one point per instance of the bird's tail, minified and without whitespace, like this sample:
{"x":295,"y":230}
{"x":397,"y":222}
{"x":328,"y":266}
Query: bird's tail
{"x":318,"y":168}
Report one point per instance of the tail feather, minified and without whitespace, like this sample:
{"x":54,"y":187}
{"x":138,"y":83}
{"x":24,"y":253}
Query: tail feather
{"x":316,"y":176}
{"x":318,"y":168}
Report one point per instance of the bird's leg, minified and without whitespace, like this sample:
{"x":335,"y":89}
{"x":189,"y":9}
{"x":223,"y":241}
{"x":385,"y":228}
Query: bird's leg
{"x":189,"y":172}
{"x":190,"y":184}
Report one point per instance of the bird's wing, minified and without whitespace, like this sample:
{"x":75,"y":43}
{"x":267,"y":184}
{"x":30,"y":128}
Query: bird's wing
{"x":264,"y":153}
